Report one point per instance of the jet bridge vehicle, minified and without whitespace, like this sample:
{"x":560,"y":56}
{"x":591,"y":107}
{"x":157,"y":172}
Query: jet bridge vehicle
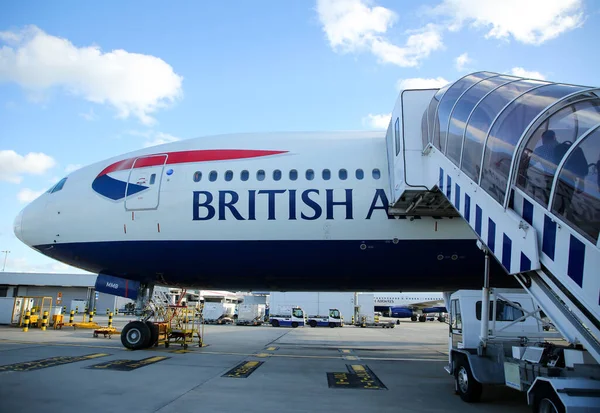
{"x":518,"y":160}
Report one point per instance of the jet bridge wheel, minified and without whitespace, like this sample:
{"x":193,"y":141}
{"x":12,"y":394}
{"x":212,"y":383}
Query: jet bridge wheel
{"x":136,"y":335}
{"x":466,"y":386}
{"x":545,"y":400}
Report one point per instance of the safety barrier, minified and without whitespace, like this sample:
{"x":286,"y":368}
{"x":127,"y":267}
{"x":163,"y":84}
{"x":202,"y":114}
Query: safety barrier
{"x":26,"y":321}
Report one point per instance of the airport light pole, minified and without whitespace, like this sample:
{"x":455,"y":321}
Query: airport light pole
{"x":5,"y":257}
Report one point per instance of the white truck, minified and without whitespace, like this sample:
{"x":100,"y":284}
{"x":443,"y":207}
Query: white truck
{"x":334,"y":319}
{"x":218,"y":313}
{"x":288,"y":316}
{"x":251,"y":314}
{"x":366,"y":315}
{"x":506,"y":343}
{"x":317,"y":303}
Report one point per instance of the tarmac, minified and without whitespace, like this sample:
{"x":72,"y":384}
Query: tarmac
{"x":240,"y":368}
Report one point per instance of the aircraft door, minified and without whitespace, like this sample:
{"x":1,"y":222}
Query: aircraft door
{"x":143,"y":185}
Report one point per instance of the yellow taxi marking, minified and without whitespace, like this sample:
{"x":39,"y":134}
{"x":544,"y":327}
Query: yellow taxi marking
{"x":346,"y":351}
{"x":263,"y":355}
{"x":49,"y":362}
{"x":271,"y":348}
{"x":243,"y":370}
{"x":127,"y":365}
{"x":358,"y":377}
{"x":350,"y":358}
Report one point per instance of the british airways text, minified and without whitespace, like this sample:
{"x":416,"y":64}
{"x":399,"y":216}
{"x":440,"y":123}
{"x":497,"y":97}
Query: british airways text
{"x":329,"y":203}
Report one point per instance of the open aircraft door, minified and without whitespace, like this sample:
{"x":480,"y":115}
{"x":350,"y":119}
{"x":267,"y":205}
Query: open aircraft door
{"x":404,"y":140}
{"x":144,"y":179}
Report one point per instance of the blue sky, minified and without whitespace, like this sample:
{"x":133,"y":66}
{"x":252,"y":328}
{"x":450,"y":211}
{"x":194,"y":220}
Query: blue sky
{"x":78,"y":85}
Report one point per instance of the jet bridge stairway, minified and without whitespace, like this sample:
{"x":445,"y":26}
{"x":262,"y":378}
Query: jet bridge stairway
{"x":551,"y":259}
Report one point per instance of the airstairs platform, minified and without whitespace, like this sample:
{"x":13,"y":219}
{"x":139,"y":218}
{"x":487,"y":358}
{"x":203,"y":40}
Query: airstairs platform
{"x":518,"y":159}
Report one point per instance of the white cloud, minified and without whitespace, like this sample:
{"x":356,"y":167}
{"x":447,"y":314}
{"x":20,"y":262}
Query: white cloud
{"x":159,"y":138}
{"x":380,"y":121}
{"x":89,"y":116}
{"x":519,"y":71}
{"x":352,"y":26}
{"x":461,"y":61}
{"x":152,"y":137}
{"x":13,"y":165}
{"x":530,"y":22}
{"x":421,"y":83}
{"x":72,"y":167}
{"x":27,"y":195}
{"x":132,"y":83}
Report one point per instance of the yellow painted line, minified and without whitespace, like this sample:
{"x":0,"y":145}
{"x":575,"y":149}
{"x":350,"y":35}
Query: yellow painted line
{"x":251,"y":363}
{"x":93,"y":356}
{"x":262,"y":355}
{"x":346,"y":351}
{"x":358,"y":367}
{"x":350,"y":358}
{"x":271,"y":348}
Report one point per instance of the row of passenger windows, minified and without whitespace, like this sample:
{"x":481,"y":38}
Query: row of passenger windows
{"x":293,"y":175}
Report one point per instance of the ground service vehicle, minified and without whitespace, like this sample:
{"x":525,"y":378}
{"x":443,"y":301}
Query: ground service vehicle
{"x":288,"y":317}
{"x":251,"y":314}
{"x":334,"y":319}
{"x":512,"y":348}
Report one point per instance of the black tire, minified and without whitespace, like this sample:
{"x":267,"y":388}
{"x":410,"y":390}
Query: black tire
{"x":312,"y":323}
{"x":153,"y":333}
{"x":422,"y":319}
{"x":331,"y":325}
{"x":546,"y":401}
{"x":275,"y":323}
{"x":294,"y":324}
{"x":466,"y":386}
{"x":136,"y":335}
{"x":413,"y":318}
{"x":441,"y":319}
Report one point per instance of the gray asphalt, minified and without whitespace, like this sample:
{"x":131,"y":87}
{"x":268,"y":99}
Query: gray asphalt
{"x":408,"y":360}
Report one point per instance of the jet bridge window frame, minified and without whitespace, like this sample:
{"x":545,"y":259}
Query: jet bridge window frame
{"x":510,"y":124}
{"x":483,"y":117}
{"x":582,"y":115}
{"x":594,"y":136}
{"x":500,"y":306}
{"x":397,"y":135}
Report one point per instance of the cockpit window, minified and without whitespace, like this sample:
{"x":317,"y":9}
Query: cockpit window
{"x":58,"y":186}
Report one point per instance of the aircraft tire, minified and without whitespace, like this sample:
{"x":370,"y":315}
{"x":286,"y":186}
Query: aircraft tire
{"x":467,"y":387}
{"x":413,"y":318}
{"x":136,"y":335}
{"x":275,"y":323}
{"x":294,"y":324}
{"x":153,"y":333}
{"x":422,"y":319}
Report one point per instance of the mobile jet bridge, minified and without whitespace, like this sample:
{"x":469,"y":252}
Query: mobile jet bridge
{"x":518,"y":159}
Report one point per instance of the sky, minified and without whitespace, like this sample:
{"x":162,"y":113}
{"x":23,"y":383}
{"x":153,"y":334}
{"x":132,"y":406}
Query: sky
{"x":82,"y":84}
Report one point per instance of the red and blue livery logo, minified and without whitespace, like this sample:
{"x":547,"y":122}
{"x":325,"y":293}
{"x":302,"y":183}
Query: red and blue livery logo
{"x":116,"y":189}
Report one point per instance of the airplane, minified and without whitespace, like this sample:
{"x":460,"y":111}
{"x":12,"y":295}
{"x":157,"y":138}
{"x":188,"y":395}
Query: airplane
{"x":413,"y":305}
{"x":276,"y":211}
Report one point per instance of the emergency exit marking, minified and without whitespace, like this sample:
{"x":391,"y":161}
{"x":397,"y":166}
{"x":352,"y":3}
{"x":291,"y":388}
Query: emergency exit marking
{"x":49,"y":362}
{"x":358,"y":377}
{"x":243,"y":370}
{"x":127,"y":365}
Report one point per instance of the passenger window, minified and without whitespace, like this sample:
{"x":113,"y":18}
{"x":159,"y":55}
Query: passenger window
{"x":197,"y":176}
{"x":360,"y":174}
{"x":228,"y":176}
{"x":504,"y":311}
{"x":577,"y":191}
{"x":152,"y":179}
{"x":343,"y":174}
{"x":212,"y":177}
{"x":548,"y":145}
{"x":276,"y":175}
{"x":376,"y":174}
{"x":310,"y":175}
{"x":244,"y":175}
{"x":293,"y":175}
{"x":260,"y":175}
{"x":397,"y":135}
{"x":326,"y":174}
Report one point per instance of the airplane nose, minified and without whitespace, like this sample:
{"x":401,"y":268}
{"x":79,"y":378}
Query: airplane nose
{"x":17,"y":226}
